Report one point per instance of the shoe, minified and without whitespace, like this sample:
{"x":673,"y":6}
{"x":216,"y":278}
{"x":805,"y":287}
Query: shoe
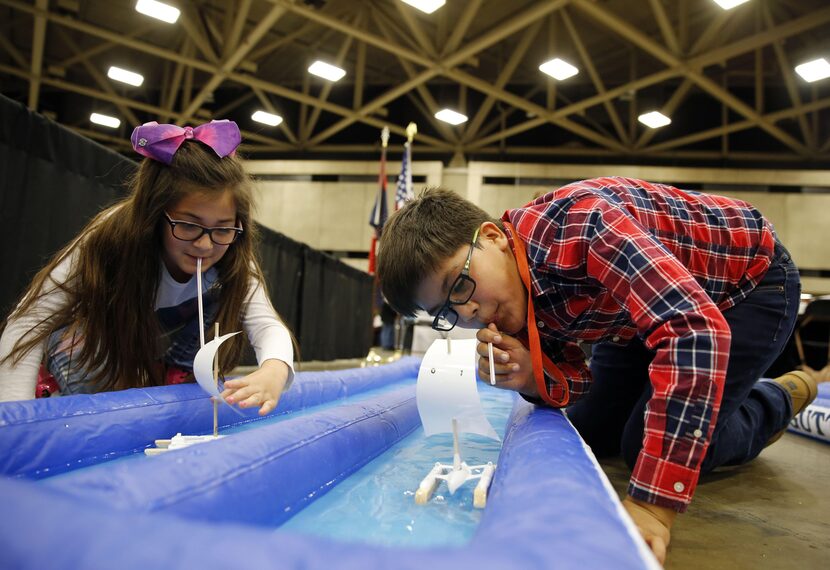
{"x":802,"y":389}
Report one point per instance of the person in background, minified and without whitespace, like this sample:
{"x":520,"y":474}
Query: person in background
{"x":687,"y":299}
{"x":117,"y":307}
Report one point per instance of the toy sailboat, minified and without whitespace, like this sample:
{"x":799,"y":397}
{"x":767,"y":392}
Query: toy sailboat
{"x":448,"y":402}
{"x":205,"y":369}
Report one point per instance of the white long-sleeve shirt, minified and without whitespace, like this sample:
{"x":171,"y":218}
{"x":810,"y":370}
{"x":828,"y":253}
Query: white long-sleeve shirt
{"x":267,"y":334}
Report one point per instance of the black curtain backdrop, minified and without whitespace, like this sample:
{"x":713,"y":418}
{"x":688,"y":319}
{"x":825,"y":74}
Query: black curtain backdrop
{"x":52,"y":181}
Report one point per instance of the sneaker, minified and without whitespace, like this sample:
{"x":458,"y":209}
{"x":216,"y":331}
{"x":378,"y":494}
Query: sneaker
{"x":802,"y":388}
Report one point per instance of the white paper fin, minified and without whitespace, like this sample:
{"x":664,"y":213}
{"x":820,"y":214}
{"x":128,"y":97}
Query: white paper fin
{"x":447,"y":389}
{"x":203,"y":365}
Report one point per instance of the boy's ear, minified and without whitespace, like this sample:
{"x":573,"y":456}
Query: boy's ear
{"x":494,"y":233}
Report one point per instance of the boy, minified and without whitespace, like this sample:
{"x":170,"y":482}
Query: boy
{"x":687,"y":299}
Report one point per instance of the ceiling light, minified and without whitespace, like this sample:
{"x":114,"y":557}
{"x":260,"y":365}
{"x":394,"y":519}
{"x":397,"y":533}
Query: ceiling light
{"x":451,"y":117}
{"x":729,"y":4}
{"x":326,"y":71}
{"x":428,"y":6}
{"x":158,"y":10}
{"x":266,"y":118}
{"x":654,"y":119}
{"x":105,"y":120}
{"x":558,"y":69}
{"x":814,"y":70}
{"x":125,"y":76}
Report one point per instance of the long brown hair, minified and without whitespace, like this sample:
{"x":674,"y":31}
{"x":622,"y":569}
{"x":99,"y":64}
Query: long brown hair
{"x":112,"y":285}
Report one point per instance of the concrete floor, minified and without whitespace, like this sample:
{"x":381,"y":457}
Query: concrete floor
{"x":773,"y":513}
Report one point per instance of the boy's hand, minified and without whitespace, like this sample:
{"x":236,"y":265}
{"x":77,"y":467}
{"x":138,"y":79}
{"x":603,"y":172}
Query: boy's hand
{"x":514,"y":370}
{"x":654,"y":524}
{"x":262,"y":387}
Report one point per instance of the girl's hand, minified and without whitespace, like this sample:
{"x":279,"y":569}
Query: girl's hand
{"x":514,"y":370}
{"x":262,"y":387}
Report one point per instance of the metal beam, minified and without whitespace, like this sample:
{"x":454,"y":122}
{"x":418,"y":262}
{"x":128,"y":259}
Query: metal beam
{"x":649,"y":46}
{"x":789,"y":80}
{"x":118,"y":100}
{"x":38,"y":42}
{"x":595,"y":78}
{"x":663,"y":23}
{"x":430,"y":105}
{"x":230,"y":62}
{"x":703,"y":42}
{"x":192,"y":24}
{"x":742,"y":125}
{"x":359,"y":76}
{"x":427,"y":47}
{"x":459,"y":28}
{"x":97,"y":76}
{"x":505,"y":74}
{"x":674,"y":155}
{"x":328,"y":86}
{"x":193,"y":63}
{"x":247,"y":96}
{"x":739,"y":47}
{"x":12,"y":51}
{"x":433,"y":68}
{"x":169,"y":100}
{"x":266,"y":102}
{"x":232,"y":39}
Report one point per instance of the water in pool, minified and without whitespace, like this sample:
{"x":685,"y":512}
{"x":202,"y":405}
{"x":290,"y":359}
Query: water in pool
{"x":377,"y":504}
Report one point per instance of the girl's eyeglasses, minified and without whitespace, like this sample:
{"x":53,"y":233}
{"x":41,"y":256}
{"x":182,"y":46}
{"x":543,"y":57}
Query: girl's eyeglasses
{"x":460,"y":293}
{"x":188,"y":231}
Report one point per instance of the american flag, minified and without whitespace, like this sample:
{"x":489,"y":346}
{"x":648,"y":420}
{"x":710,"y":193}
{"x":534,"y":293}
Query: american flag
{"x":403,"y":191}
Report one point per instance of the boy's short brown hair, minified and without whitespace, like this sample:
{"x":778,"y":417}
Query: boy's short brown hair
{"x":419,"y":237}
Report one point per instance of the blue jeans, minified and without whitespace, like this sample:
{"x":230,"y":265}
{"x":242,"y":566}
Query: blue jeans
{"x":610,"y":417}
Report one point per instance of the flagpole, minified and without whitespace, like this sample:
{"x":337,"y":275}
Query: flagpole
{"x":404,"y":193}
{"x":377,"y":219}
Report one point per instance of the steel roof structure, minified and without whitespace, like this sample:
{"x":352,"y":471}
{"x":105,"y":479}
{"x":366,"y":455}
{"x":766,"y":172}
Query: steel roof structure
{"x":725,"y":77}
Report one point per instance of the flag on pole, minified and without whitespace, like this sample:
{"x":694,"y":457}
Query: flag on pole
{"x":379,"y":211}
{"x":377,"y":218}
{"x":403,"y":191}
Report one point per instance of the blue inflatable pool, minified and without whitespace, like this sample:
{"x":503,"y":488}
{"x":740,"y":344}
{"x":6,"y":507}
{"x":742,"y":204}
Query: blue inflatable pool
{"x":216,"y":505}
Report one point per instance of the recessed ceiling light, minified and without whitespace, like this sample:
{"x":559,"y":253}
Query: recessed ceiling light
{"x":326,"y":71}
{"x":158,"y":10}
{"x":266,"y":118}
{"x":558,"y":69}
{"x":105,"y":120}
{"x":428,"y":6}
{"x":654,"y":119}
{"x":451,"y":117}
{"x":729,"y":4}
{"x":814,"y":70}
{"x":125,"y":76}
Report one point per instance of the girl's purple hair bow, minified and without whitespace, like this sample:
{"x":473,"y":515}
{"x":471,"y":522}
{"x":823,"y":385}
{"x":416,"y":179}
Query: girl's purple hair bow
{"x":160,"y":142}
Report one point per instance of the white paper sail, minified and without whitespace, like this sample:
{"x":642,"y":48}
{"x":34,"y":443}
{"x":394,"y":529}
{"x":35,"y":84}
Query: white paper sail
{"x":447,"y":389}
{"x":203,"y":364}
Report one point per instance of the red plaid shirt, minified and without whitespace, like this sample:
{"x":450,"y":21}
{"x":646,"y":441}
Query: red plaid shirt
{"x":611,"y":258}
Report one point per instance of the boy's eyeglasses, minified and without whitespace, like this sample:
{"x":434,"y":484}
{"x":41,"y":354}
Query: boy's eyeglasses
{"x":460,"y":293}
{"x":188,"y":231}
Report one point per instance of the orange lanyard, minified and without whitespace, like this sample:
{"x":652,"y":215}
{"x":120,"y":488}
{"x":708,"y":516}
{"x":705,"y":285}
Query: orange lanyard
{"x":558,"y":396}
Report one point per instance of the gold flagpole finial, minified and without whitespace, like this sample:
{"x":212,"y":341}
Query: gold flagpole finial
{"x":411,"y":131}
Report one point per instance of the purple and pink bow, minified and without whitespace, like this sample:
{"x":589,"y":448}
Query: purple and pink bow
{"x":160,"y":142}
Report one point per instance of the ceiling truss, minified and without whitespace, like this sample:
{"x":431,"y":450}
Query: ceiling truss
{"x":223,"y":47}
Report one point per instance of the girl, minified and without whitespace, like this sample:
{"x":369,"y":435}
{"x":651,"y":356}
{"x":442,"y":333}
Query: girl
{"x":117,"y":307}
